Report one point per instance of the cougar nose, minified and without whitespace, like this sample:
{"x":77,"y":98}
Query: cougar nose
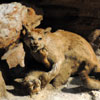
{"x":35,"y":43}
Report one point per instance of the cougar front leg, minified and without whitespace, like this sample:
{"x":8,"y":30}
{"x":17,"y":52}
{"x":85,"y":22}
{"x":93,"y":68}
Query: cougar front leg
{"x":47,"y":77}
{"x":45,"y":61}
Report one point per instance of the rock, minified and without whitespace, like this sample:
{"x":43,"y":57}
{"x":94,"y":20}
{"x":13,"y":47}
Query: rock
{"x":95,"y":95}
{"x":94,"y":39}
{"x":12,"y":17}
{"x":32,"y":20}
{"x":15,"y":55}
{"x":3,"y":92}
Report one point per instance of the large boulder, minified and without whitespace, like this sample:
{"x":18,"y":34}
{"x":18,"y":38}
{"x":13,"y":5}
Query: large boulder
{"x":15,"y":19}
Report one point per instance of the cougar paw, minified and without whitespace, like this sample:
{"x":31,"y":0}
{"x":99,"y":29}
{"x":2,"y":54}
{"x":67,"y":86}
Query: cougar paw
{"x":33,"y":85}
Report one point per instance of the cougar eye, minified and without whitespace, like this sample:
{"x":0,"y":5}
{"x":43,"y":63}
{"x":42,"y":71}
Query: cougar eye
{"x":39,"y":38}
{"x":31,"y":38}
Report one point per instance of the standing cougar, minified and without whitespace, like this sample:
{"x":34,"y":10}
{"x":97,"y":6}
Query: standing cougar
{"x":66,"y":53}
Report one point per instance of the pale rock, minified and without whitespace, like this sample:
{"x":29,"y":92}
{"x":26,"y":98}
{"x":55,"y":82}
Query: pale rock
{"x":15,"y":56}
{"x":13,"y":17}
{"x":3,"y":92}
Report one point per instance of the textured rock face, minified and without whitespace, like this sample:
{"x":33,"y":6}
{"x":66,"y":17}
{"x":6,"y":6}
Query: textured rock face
{"x":32,"y":20}
{"x":15,"y":56}
{"x":12,"y":17}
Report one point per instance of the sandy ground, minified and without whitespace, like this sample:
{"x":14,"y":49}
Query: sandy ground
{"x":73,"y":90}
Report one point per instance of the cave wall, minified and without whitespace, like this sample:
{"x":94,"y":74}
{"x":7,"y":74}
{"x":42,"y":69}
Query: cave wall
{"x":80,"y":16}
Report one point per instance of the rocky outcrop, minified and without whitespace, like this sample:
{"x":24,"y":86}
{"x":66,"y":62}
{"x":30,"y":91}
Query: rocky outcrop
{"x":15,"y":56}
{"x":15,"y":20}
{"x":13,"y":17}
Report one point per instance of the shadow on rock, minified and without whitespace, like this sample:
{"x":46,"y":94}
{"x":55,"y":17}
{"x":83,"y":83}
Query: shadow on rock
{"x":18,"y":90}
{"x":75,"y":90}
{"x":76,"y":81}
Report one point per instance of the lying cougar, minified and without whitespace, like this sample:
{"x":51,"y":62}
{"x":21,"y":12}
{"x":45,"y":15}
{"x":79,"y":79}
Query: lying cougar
{"x":66,"y":53}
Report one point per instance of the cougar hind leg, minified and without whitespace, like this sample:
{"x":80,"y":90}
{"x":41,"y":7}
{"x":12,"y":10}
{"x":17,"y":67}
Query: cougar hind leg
{"x":63,"y":75}
{"x":88,"y":81}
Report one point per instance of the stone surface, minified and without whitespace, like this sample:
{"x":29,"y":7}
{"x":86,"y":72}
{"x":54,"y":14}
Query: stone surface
{"x":12,"y":17}
{"x":15,"y":55}
{"x":3,"y":92}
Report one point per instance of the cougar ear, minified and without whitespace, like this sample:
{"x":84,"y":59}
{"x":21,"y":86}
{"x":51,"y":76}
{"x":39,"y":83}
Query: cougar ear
{"x":47,"y":30}
{"x":30,"y":30}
